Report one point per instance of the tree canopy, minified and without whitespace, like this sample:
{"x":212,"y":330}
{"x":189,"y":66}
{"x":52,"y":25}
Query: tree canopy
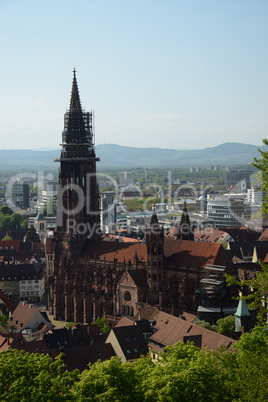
{"x":182,"y":373}
{"x":32,"y":236}
{"x":262,"y":165}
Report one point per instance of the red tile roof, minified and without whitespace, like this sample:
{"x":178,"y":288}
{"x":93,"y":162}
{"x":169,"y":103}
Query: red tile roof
{"x":124,"y":322}
{"x":114,"y":250}
{"x":210,"y":235}
{"x":264,"y":235}
{"x":147,"y":312}
{"x":6,"y":301}
{"x":193,"y":254}
{"x":173,"y":329}
{"x":9,"y":244}
{"x":22,"y":314}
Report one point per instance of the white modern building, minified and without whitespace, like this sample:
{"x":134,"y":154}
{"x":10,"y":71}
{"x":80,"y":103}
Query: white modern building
{"x":227,"y":211}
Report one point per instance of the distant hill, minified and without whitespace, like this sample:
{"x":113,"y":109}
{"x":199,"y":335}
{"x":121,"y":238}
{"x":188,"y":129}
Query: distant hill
{"x":229,"y":153}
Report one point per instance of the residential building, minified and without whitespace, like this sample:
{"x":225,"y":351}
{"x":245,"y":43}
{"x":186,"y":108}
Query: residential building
{"x":128,"y":342}
{"x":26,"y":316}
{"x":22,"y":281}
{"x":168,"y":330}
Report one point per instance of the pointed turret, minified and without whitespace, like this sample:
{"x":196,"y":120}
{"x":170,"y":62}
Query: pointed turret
{"x":75,"y":104}
{"x":242,"y":317}
{"x":76,"y":124}
{"x":154,"y":219}
{"x":185,"y":231}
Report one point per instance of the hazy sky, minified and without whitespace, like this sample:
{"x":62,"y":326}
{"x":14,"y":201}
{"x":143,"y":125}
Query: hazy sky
{"x":169,"y":74}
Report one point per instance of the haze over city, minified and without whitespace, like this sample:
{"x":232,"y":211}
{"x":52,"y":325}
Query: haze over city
{"x":171,"y":74}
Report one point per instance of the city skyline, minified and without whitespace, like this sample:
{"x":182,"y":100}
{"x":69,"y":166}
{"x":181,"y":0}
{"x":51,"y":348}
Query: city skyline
{"x":169,"y":75}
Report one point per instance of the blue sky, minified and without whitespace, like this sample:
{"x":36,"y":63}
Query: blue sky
{"x":173,"y":74}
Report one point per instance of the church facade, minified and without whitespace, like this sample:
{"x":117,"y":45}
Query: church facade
{"x":93,"y":277}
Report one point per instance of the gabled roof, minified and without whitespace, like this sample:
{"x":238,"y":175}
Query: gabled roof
{"x":131,"y":341}
{"x":6,"y":301}
{"x":124,"y":322}
{"x":139,"y":276}
{"x":147,"y":312}
{"x":241,"y":234}
{"x":246,"y":249}
{"x":57,"y":338}
{"x":15,"y":234}
{"x":172,"y":329}
{"x":193,"y":254}
{"x":16,"y":272}
{"x":264,"y":235}
{"x":189,"y":317}
{"x":121,"y":239}
{"x":22,"y":314}
{"x":121,"y":252}
{"x":210,"y":235}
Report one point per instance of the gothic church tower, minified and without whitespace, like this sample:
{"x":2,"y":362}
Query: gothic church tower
{"x":155,"y":261}
{"x":77,"y":207}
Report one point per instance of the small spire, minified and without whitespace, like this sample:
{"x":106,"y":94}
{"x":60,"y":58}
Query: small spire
{"x":75,"y":104}
{"x":154,"y":219}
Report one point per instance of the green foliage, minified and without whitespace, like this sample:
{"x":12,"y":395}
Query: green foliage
{"x":70,"y":325}
{"x":5,"y":210}
{"x":223,"y":326}
{"x":258,"y":287}
{"x":182,"y":373}
{"x":226,"y":325}
{"x":10,"y":221}
{"x":24,"y":224}
{"x":141,"y":204}
{"x":34,"y":377}
{"x":110,"y":381}
{"x":3,"y":319}
{"x":262,"y":165}
{"x":50,"y":208}
{"x":205,"y":324}
{"x":32,"y":236}
{"x":101,"y":322}
{"x":7,"y":238}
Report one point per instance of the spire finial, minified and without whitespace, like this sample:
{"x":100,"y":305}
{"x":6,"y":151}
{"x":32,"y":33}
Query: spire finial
{"x":74,"y":71}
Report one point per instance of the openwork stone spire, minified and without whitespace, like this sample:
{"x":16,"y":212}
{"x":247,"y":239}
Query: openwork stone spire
{"x":185,"y":231}
{"x":75,"y":104}
{"x":154,"y":219}
{"x":78,"y":133}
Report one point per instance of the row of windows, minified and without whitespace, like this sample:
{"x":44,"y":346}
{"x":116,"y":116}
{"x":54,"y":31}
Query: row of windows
{"x":32,"y":293}
{"x":128,"y":310}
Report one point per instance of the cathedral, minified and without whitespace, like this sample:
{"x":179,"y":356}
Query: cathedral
{"x":97,"y":278}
